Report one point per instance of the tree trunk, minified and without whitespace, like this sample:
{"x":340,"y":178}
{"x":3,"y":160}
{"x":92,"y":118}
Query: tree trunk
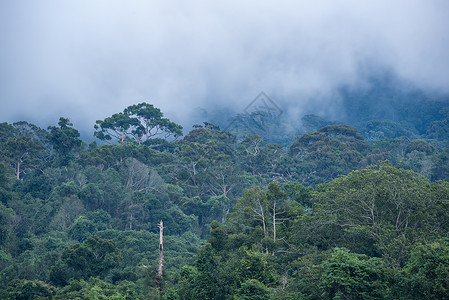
{"x":161,"y":255}
{"x":18,"y":168}
{"x":265,"y":232}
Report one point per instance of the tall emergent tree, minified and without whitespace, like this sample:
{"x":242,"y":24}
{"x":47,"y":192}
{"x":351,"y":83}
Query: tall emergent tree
{"x":64,"y":139}
{"x":140,"y":122}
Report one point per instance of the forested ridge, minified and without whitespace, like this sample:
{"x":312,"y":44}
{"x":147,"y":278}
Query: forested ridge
{"x":355,"y":210}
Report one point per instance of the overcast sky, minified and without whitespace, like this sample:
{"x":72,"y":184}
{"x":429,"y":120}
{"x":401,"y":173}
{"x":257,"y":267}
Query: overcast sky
{"x":88,"y":59}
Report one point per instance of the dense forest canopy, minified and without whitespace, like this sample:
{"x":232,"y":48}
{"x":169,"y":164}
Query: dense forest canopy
{"x":355,"y":210}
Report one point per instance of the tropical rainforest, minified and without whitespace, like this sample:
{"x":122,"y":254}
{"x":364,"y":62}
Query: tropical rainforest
{"x":356,"y":208}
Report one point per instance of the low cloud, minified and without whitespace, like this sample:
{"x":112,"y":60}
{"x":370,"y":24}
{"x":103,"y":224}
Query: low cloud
{"x":89,"y":59}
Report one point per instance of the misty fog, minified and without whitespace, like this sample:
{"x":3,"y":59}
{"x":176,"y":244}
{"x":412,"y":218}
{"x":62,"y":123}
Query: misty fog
{"x":89,"y":59}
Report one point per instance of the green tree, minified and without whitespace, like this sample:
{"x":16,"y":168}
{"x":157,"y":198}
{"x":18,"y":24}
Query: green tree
{"x":252,"y":289}
{"x":117,"y":126}
{"x":141,"y":122}
{"x":5,"y":190}
{"x":188,"y":282}
{"x":26,"y":142}
{"x":351,"y":276}
{"x":252,"y":212}
{"x":64,"y":139}
{"x":328,"y":152}
{"x":261,"y":214}
{"x":5,"y":225}
{"x":440,"y":169}
{"x":250,"y":150}
{"x":426,"y":276}
{"x":95,"y":288}
{"x":92,"y":196}
{"x":253,"y":265}
{"x":207,"y":284}
{"x":279,"y":205}
{"x":70,"y":209}
{"x":94,"y":257}
{"x":388,"y":206}
{"x":298,"y":193}
{"x":31,"y":214}
{"x":81,"y":229}
{"x":28,"y":289}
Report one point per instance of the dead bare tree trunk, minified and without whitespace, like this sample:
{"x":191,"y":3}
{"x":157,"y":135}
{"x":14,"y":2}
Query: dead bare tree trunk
{"x":161,"y":256}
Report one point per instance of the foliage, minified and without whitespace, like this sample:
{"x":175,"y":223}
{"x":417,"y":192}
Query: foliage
{"x":95,"y":257}
{"x":328,"y":152}
{"x":426,"y":275}
{"x":64,"y":139}
{"x":141,"y":122}
{"x":389,"y":206}
{"x":316,"y":216}
{"x":350,"y":276}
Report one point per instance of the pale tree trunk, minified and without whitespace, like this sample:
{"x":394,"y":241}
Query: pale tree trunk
{"x":18,"y":168}
{"x":194,"y":173}
{"x":262,"y":216}
{"x":161,"y":255}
